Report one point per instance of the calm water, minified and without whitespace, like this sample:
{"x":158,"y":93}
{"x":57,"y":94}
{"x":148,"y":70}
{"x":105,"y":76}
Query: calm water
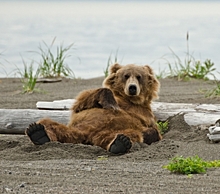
{"x":141,"y":31}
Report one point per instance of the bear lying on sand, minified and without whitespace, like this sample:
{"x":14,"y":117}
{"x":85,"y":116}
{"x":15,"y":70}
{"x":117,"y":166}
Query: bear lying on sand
{"x":112,"y":117}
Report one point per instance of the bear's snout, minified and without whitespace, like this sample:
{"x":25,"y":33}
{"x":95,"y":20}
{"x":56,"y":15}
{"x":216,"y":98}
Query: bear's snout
{"x":132,"y":89}
{"x":132,"y":86}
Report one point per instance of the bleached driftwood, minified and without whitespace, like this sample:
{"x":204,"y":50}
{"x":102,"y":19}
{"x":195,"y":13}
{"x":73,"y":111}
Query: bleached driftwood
{"x":16,"y":120}
{"x":49,"y":80}
{"x":195,"y":114}
{"x":56,"y":105}
{"x":214,"y":132}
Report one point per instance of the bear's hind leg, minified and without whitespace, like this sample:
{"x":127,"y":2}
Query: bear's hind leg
{"x":117,"y":142}
{"x":151,"y":135}
{"x":37,"y":134}
{"x":122,"y":144}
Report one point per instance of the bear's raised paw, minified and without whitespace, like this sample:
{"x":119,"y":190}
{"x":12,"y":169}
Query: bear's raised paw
{"x":106,"y":99}
{"x":121,"y":145}
{"x":37,"y":134}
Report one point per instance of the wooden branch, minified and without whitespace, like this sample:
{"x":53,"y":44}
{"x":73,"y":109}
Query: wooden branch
{"x":15,"y":121}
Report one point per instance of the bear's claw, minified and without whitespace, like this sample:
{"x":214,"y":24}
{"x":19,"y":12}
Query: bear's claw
{"x":120,"y":145}
{"x":37,"y":134}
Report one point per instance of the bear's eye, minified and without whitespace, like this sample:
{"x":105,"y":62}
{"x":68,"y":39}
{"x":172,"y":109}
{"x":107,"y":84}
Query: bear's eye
{"x":126,"y":76}
{"x":138,"y":77}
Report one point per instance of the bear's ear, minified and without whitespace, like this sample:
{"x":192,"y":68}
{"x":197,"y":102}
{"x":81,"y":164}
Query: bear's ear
{"x":114,"y":68}
{"x":148,"y":68}
{"x":110,"y":79}
{"x":152,"y":82}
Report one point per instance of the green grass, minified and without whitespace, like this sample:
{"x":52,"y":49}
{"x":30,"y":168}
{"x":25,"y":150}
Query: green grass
{"x":202,"y":70}
{"x":161,"y":74}
{"x":101,"y":158}
{"x":162,"y":126}
{"x":190,"y":165}
{"x":189,"y":67}
{"x":28,"y":77}
{"x":215,"y":92}
{"x":110,"y":62}
{"x":53,"y":65}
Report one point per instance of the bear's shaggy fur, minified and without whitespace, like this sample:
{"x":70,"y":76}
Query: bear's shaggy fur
{"x":112,"y":117}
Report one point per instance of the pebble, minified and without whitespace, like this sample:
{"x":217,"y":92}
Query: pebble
{"x":8,"y":189}
{"x":22,"y":185}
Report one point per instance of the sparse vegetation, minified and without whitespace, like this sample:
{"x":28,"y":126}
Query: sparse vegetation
{"x":201,"y":71}
{"x":190,"y":165}
{"x":161,"y":74}
{"x":162,"y":126}
{"x":54,"y":65}
{"x":110,"y":62}
{"x":51,"y":66}
{"x":101,"y":158}
{"x":214,"y":92}
{"x":190,"y":67}
{"x":28,"y":77}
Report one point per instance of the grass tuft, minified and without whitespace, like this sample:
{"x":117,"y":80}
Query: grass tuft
{"x":214,"y":92}
{"x":110,"y":62}
{"x":190,"y":165}
{"x":161,"y":74}
{"x":28,"y":77}
{"x":162,"y":126}
{"x":53,"y":65}
{"x":189,"y":67}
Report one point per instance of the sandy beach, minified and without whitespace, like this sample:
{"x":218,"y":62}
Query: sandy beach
{"x":68,"y":168}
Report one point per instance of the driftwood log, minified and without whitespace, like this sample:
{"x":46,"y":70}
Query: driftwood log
{"x":15,"y":121}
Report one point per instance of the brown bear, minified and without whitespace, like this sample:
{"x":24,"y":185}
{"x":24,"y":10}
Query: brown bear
{"x":112,"y":117}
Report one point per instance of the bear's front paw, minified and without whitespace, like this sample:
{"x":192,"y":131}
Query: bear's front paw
{"x":107,"y":100}
{"x":37,"y":134}
{"x":121,"y":145}
{"x":108,"y":105}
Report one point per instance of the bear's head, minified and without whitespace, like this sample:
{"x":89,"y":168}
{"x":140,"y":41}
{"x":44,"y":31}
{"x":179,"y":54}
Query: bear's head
{"x":135,"y":83}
